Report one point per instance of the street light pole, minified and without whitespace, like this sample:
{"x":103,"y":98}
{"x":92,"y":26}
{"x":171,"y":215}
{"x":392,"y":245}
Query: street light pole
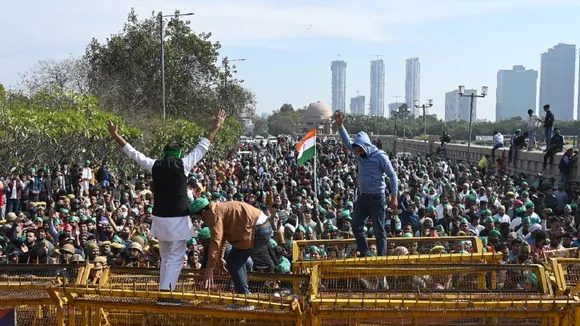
{"x":162,"y":41}
{"x":472,"y":96}
{"x":424,"y":106}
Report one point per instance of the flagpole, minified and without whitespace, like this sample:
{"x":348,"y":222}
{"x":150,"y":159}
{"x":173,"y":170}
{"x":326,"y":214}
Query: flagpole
{"x":315,"y":153}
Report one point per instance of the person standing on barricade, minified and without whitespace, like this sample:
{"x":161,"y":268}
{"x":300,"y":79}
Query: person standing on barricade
{"x":372,"y":165}
{"x":171,"y":224}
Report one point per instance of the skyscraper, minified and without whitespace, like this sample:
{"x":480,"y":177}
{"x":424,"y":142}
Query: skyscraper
{"x":516,"y":93}
{"x":357,"y":105}
{"x":338,"y":101}
{"x":457,"y":108}
{"x":557,"y":79}
{"x":413,"y":84}
{"x":377,"y":88}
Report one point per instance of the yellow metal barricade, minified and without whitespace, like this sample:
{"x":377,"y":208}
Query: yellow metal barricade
{"x":437,"y":295}
{"x":129,"y":296}
{"x":305,"y":266}
{"x":346,"y":248}
{"x":33,"y":291}
{"x":561,"y":253}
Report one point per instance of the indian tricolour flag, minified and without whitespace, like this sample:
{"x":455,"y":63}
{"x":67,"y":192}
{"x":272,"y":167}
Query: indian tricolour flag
{"x":307,"y":147}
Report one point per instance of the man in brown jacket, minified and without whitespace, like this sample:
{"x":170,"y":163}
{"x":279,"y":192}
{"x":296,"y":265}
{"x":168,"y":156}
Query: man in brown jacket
{"x":243,"y":226}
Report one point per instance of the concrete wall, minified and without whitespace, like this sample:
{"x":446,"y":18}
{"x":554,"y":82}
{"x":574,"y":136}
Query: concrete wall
{"x":528,"y":162}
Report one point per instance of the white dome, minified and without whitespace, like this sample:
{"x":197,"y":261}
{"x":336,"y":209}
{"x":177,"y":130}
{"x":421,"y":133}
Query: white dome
{"x":317,"y":111}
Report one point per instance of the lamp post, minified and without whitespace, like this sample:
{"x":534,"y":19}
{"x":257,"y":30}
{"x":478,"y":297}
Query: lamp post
{"x":162,"y":36}
{"x":424,"y":106}
{"x":472,"y":96}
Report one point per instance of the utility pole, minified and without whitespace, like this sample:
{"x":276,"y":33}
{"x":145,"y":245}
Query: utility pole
{"x":424,"y":106}
{"x":472,"y":96}
{"x":162,"y":36}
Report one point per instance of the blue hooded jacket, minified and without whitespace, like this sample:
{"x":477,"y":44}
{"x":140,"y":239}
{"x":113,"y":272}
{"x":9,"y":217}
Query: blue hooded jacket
{"x":372,"y":168}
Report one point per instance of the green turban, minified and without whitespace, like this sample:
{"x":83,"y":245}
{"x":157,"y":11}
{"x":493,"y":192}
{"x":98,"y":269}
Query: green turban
{"x":203,"y":234}
{"x":529,"y":205}
{"x":198,"y":205}
{"x":526,"y":220}
{"x":494,"y":233}
{"x":191,"y":241}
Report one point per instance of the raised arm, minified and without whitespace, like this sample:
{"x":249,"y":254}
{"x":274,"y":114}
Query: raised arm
{"x":197,"y":154}
{"x":339,"y":119}
{"x":141,"y":159}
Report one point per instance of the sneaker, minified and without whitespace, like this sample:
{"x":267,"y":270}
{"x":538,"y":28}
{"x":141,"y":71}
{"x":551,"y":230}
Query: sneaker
{"x":235,"y":306}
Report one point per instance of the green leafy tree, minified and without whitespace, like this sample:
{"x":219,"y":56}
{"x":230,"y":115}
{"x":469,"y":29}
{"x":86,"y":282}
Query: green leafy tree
{"x":189,"y":134}
{"x":44,"y":130}
{"x":285,"y":120}
{"x":260,"y":126}
{"x":125,"y":72}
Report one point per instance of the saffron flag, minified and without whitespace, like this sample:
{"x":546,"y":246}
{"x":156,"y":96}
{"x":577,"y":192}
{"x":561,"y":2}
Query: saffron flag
{"x":307,"y":147}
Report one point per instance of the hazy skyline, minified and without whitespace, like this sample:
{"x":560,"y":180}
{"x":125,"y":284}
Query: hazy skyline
{"x":457,"y":41}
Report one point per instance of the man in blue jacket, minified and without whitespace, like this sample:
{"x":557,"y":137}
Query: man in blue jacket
{"x":372,"y":165}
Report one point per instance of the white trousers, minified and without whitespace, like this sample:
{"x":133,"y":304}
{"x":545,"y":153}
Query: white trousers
{"x":172,"y":255}
{"x":84,"y":186}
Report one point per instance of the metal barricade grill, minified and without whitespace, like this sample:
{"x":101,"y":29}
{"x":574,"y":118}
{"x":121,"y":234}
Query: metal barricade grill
{"x":424,"y":289}
{"x":33,"y":290}
{"x":346,"y":248}
{"x":430,"y":278}
{"x":129,"y":296}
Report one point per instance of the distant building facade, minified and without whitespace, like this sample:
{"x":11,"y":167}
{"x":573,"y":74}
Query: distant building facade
{"x":457,"y":108}
{"x":377,"y":100}
{"x":318,"y":115}
{"x":338,"y":101}
{"x":516,"y":93}
{"x":357,"y":105}
{"x":557,"y":80}
{"x":413,"y":84}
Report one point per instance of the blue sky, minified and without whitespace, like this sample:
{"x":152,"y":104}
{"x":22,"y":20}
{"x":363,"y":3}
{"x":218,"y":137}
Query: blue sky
{"x":457,"y":41}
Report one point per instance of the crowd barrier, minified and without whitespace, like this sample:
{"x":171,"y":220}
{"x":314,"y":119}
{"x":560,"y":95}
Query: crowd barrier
{"x":343,"y":252}
{"x":346,"y":248}
{"x":436,"y":289}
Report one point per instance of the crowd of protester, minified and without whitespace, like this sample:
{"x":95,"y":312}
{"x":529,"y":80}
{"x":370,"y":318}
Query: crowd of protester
{"x":83,"y":213}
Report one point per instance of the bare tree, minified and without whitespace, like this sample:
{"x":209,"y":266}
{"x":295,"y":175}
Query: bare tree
{"x":69,"y":74}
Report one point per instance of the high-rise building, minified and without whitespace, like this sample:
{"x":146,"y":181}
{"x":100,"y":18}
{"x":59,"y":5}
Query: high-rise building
{"x":357,"y":105}
{"x":457,"y":108}
{"x":394,"y":107}
{"x":377,"y":100}
{"x":578,"y":111}
{"x":413,"y":84}
{"x":338,"y":100}
{"x":516,"y":93}
{"x":557,"y":79}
